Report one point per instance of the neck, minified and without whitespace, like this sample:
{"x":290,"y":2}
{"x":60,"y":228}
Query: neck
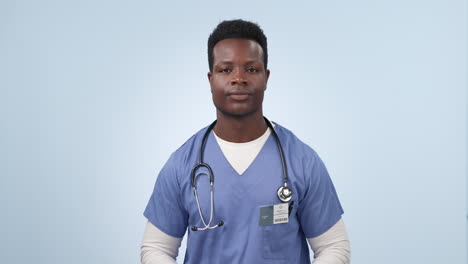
{"x":240,"y":129}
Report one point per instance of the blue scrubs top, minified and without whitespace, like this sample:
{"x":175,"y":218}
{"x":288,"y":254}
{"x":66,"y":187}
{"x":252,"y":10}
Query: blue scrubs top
{"x":237,"y":201}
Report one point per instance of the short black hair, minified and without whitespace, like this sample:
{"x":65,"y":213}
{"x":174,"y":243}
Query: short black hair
{"x":237,"y":28}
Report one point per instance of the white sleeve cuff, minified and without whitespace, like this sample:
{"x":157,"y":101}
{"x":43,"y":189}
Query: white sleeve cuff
{"x":331,"y":247}
{"x":158,"y":247}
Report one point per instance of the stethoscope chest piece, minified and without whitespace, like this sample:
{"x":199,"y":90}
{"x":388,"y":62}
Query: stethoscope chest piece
{"x":284,"y":194}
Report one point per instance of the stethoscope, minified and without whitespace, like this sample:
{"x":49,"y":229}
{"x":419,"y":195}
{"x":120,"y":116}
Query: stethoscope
{"x":284,"y":193}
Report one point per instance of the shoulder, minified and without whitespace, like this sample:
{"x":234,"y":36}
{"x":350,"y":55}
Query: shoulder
{"x":290,"y":142}
{"x":306,"y":169}
{"x":188,"y":151}
{"x":182,"y":159}
{"x":303,"y":162}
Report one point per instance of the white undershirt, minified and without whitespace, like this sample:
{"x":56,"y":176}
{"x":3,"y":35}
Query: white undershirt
{"x":241,"y":155}
{"x":332,"y":247}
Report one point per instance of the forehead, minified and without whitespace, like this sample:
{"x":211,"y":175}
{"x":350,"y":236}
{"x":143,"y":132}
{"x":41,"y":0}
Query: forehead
{"x":237,"y":49}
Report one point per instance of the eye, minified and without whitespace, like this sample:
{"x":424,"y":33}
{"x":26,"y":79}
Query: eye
{"x":251,"y":70}
{"x":225,"y":70}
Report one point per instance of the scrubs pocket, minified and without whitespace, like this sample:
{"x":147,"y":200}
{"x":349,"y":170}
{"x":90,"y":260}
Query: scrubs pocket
{"x":278,"y":241}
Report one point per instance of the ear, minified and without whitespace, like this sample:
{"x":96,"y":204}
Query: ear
{"x":267,"y":75}
{"x":210,"y":77}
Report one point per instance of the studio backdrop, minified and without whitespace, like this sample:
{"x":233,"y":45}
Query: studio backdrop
{"x":96,"y":95}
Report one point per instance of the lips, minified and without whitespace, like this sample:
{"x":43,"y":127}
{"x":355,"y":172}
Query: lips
{"x":238,"y":96}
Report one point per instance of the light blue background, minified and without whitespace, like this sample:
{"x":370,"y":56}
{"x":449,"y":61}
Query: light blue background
{"x":95,"y":96}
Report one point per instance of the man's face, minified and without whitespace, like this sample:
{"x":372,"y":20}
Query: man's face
{"x":239,"y":78}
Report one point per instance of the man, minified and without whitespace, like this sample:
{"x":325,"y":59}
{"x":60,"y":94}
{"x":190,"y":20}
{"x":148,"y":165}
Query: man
{"x":243,"y":217}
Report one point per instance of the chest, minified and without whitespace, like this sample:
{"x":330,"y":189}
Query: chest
{"x":236,"y":198}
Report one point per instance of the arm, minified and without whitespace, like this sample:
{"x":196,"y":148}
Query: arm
{"x":167,"y":218}
{"x":331,"y":247}
{"x":158,"y":247}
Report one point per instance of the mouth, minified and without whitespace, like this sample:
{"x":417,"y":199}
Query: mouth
{"x":238,"y":96}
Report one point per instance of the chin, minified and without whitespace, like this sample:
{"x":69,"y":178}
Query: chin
{"x":238,"y":113}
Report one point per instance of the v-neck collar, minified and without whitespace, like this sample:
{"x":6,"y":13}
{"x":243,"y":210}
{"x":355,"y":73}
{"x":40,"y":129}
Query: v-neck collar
{"x":226,"y":161}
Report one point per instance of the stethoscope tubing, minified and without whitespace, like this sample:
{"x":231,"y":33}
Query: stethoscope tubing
{"x":281,"y":190}
{"x":207,"y":226}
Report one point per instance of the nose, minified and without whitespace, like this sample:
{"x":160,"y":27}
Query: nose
{"x":238,"y":77}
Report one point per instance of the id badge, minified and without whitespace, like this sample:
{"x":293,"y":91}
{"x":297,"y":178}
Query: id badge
{"x":274,"y":214}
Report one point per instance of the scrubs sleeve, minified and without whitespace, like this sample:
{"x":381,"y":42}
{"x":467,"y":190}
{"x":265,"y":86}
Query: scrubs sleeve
{"x":320,"y":207}
{"x":164,"y":209}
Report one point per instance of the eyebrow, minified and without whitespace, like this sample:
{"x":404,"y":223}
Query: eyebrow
{"x":224,"y":62}
{"x":230,"y":62}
